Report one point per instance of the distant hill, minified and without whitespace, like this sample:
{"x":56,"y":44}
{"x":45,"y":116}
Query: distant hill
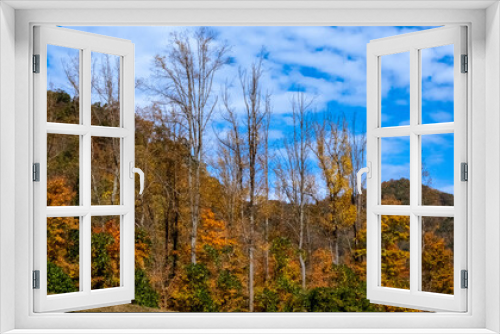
{"x":399,"y":190}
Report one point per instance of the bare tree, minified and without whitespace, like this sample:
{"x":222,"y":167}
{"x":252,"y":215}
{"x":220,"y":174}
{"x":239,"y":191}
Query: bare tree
{"x":265,"y":164}
{"x":246,"y":152}
{"x":357,"y":143}
{"x":255,"y":114}
{"x":294,"y":171}
{"x":186,"y":73}
{"x":105,"y":111}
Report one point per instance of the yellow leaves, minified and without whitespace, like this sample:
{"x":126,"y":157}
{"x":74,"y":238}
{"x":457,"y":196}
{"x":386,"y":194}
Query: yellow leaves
{"x":395,"y":251}
{"x":62,"y":244}
{"x":59,"y":193}
{"x":321,"y":275}
{"x":437,"y":259}
{"x":214,"y":232}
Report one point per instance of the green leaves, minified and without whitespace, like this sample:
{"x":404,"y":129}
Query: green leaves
{"x":58,"y":281}
{"x":145,"y":295}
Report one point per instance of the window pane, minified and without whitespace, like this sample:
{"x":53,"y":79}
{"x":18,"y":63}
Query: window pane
{"x":105,"y":252}
{"x":395,"y":170}
{"x":63,"y":255}
{"x":437,"y":84}
{"x":105,"y":89}
{"x":63,"y":81}
{"x":395,"y":90}
{"x":105,"y":171}
{"x":63,"y":170}
{"x":437,"y":254}
{"x":395,"y":252}
{"x":437,"y":169}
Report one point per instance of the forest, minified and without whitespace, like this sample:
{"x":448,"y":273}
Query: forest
{"x":231,"y":220}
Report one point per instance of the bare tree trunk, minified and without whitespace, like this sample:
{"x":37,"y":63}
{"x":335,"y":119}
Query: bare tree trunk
{"x":301,"y":257}
{"x":266,"y":252}
{"x":294,"y":171}
{"x":336,"y":240}
{"x":116,"y":181}
{"x":185,"y":78}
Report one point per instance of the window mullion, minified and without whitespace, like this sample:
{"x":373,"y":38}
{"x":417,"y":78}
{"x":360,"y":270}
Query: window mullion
{"x":85,"y":165}
{"x":415,"y":169}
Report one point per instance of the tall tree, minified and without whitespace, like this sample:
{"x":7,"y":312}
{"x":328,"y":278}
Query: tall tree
{"x":244,"y":143}
{"x":334,"y":157}
{"x":357,"y":143}
{"x":255,"y":116}
{"x":187,"y":71}
{"x":294,"y":170}
{"x":265,"y":165}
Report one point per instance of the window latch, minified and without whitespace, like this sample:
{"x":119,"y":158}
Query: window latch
{"x":368,"y":171}
{"x":133,"y":170}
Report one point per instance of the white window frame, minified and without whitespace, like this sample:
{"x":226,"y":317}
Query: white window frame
{"x":86,"y":44}
{"x":483,"y":213}
{"x":413,"y":43}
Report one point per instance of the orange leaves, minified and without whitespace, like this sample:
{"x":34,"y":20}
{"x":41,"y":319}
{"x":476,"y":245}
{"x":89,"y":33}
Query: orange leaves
{"x":395,"y":251}
{"x":105,"y":252}
{"x":63,"y":245}
{"x":437,"y":256}
{"x":214,"y":232}
{"x":322,"y":272}
{"x":59,"y":193}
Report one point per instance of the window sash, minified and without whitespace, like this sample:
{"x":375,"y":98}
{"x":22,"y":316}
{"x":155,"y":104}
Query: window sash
{"x":414,"y":298}
{"x":85,"y":298}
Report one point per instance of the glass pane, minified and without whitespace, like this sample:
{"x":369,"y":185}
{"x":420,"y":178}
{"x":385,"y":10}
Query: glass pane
{"x":63,"y":81}
{"x":105,"y":252}
{"x":395,"y":170}
{"x":437,"y":84}
{"x":395,"y":81}
{"x":63,"y":255}
{"x":105,"y":171}
{"x":437,"y":254}
{"x":63,"y":170}
{"x":437,"y":169}
{"x":395,"y":252}
{"x":105,"y":89}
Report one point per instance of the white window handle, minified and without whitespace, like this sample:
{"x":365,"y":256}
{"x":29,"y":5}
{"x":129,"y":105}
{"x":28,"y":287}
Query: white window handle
{"x":141,"y":176}
{"x":368,"y":171}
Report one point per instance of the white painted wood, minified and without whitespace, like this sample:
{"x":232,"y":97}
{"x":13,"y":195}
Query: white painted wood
{"x":86,"y":297}
{"x":98,"y":131}
{"x":412,"y":43}
{"x":492,"y":163}
{"x":471,"y":322}
{"x":245,"y":4}
{"x":7,"y":167}
{"x":258,"y":331}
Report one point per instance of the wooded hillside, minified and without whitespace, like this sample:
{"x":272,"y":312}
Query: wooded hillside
{"x":247,"y":224}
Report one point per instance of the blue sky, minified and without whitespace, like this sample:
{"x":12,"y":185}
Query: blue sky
{"x":330,"y":64}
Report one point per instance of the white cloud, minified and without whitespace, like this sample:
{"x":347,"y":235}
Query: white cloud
{"x":395,"y":171}
{"x":439,"y":116}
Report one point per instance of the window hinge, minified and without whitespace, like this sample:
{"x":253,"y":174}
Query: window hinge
{"x":36,"y":279}
{"x":465,"y":279}
{"x":464,"y":172}
{"x":465,"y":64}
{"x":36,"y":172}
{"x":36,"y":63}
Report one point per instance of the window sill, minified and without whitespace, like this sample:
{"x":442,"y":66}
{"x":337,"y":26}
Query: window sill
{"x":252,"y":331}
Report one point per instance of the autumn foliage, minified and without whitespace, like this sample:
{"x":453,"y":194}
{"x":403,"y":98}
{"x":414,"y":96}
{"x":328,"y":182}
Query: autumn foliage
{"x":241,"y":228}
